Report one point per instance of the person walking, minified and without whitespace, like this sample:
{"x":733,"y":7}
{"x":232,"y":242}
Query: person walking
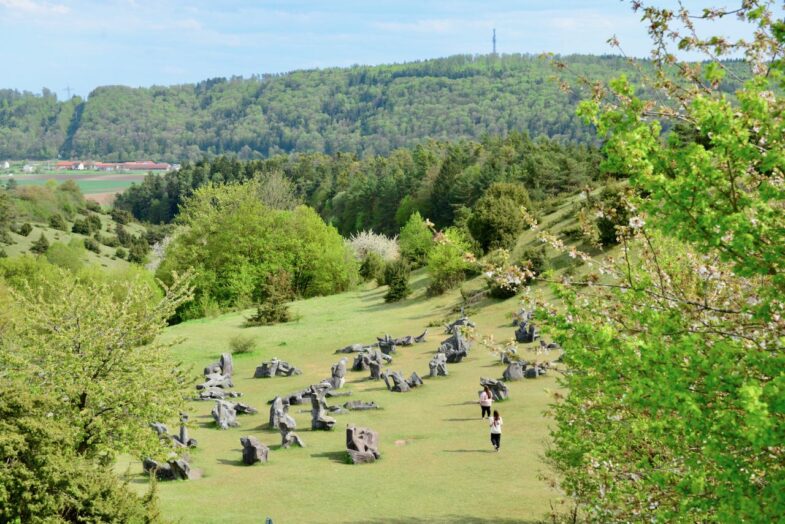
{"x":486,"y":400}
{"x":496,"y":430}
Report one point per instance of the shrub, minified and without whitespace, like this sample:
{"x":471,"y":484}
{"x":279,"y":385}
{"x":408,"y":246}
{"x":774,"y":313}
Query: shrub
{"x":274,"y":308}
{"x":601,"y":215}
{"x":26,"y":229}
{"x":94,"y":222}
{"x":93,"y":206}
{"x":3,"y":254}
{"x":496,"y":220}
{"x":366,"y":242}
{"x":397,"y":277}
{"x":416,"y":240}
{"x":121,"y":216}
{"x":108,"y":240}
{"x":40,"y":246}
{"x":69,"y":256}
{"x":504,"y":279}
{"x":57,"y":221}
{"x":92,"y":245}
{"x":81,"y":227}
{"x":242,"y":344}
{"x":121,"y":253}
{"x":449,"y":261}
{"x":535,"y":260}
{"x":138,"y":252}
{"x":372,"y":267}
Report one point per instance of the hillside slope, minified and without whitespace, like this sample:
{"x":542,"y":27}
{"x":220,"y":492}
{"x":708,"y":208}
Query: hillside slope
{"x":437,"y":463}
{"x":361,"y":109}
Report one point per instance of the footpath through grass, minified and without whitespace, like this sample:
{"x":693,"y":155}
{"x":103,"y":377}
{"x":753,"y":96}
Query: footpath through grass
{"x":437,"y":462}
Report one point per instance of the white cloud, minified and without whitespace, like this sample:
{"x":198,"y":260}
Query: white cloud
{"x":32,"y":7}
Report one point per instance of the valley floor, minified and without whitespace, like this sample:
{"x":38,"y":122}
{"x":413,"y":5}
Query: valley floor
{"x":437,"y":461}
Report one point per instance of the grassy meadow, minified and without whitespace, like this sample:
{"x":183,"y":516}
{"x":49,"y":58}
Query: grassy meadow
{"x":437,"y":462}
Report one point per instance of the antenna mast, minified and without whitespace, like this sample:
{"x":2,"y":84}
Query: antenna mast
{"x":494,"y":40}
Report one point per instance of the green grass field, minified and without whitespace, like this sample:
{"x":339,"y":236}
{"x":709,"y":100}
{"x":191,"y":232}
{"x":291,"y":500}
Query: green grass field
{"x":88,"y":181}
{"x":106,"y":259}
{"x":437,"y":462}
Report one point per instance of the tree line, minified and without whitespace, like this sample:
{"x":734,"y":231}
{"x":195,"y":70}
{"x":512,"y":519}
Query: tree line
{"x":440,"y":180}
{"x":361,"y":109}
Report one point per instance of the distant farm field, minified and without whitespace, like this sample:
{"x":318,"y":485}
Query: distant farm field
{"x":89,"y":182}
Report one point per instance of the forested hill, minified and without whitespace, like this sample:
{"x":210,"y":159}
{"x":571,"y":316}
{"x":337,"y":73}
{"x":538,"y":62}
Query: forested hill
{"x":361,"y":109}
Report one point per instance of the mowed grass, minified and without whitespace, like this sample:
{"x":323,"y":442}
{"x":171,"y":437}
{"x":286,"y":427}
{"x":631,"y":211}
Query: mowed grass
{"x":437,"y":462}
{"x":101,"y":184}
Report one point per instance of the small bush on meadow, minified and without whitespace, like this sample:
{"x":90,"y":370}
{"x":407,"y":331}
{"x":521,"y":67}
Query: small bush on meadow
{"x":450,"y":261}
{"x":372,"y":267}
{"x":40,"y":246}
{"x":26,"y":229}
{"x":57,"y":221}
{"x":397,"y":277}
{"x":242,"y":344}
{"x":416,"y":240}
{"x":92,"y":245}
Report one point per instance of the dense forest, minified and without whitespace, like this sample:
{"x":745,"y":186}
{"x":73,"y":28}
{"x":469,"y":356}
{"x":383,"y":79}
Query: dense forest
{"x":361,"y":109}
{"x":441,"y":180}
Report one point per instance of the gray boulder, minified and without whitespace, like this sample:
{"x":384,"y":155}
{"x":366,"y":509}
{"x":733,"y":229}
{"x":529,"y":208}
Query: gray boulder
{"x":498,"y":388}
{"x":454,"y":327}
{"x":244,"y":409}
{"x":362,"y":444}
{"x":276,"y":368}
{"x":395,"y":382}
{"x":319,"y":418}
{"x":338,"y":374}
{"x":253,"y":450}
{"x":514,"y":371}
{"x":224,"y":414}
{"x":438,"y":365}
{"x":175,"y":469}
{"x":454,"y":348}
{"x":217,"y":394}
{"x":224,"y":366}
{"x":359,"y":405}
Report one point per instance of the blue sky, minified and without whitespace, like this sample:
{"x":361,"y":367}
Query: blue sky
{"x":85,"y":43}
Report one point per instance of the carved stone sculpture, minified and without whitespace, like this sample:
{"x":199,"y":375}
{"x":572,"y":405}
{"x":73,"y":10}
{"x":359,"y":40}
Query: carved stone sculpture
{"x":395,"y":382}
{"x":498,"y":388}
{"x":526,"y":333}
{"x":224,"y":414}
{"x":183,"y":439}
{"x":217,"y":394}
{"x":362,"y":444}
{"x":319,"y":418}
{"x":456,"y":325}
{"x":175,"y":469}
{"x":386,"y":344}
{"x":438,"y":365}
{"x":253,"y":450}
{"x":338,"y":374}
{"x":514,"y":371}
{"x":359,"y":405}
{"x":276,"y":368}
{"x":454,"y":348}
{"x":224,"y":366}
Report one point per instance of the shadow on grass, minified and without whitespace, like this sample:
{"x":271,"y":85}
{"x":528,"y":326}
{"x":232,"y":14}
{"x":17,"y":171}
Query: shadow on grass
{"x":468,"y":402}
{"x":449,"y":519}
{"x":461,"y":419}
{"x":336,"y":456}
{"x":468,"y":451}
{"x":229,"y":462}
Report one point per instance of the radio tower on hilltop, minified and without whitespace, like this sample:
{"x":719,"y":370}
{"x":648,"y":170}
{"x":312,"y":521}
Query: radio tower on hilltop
{"x":494,"y":40}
